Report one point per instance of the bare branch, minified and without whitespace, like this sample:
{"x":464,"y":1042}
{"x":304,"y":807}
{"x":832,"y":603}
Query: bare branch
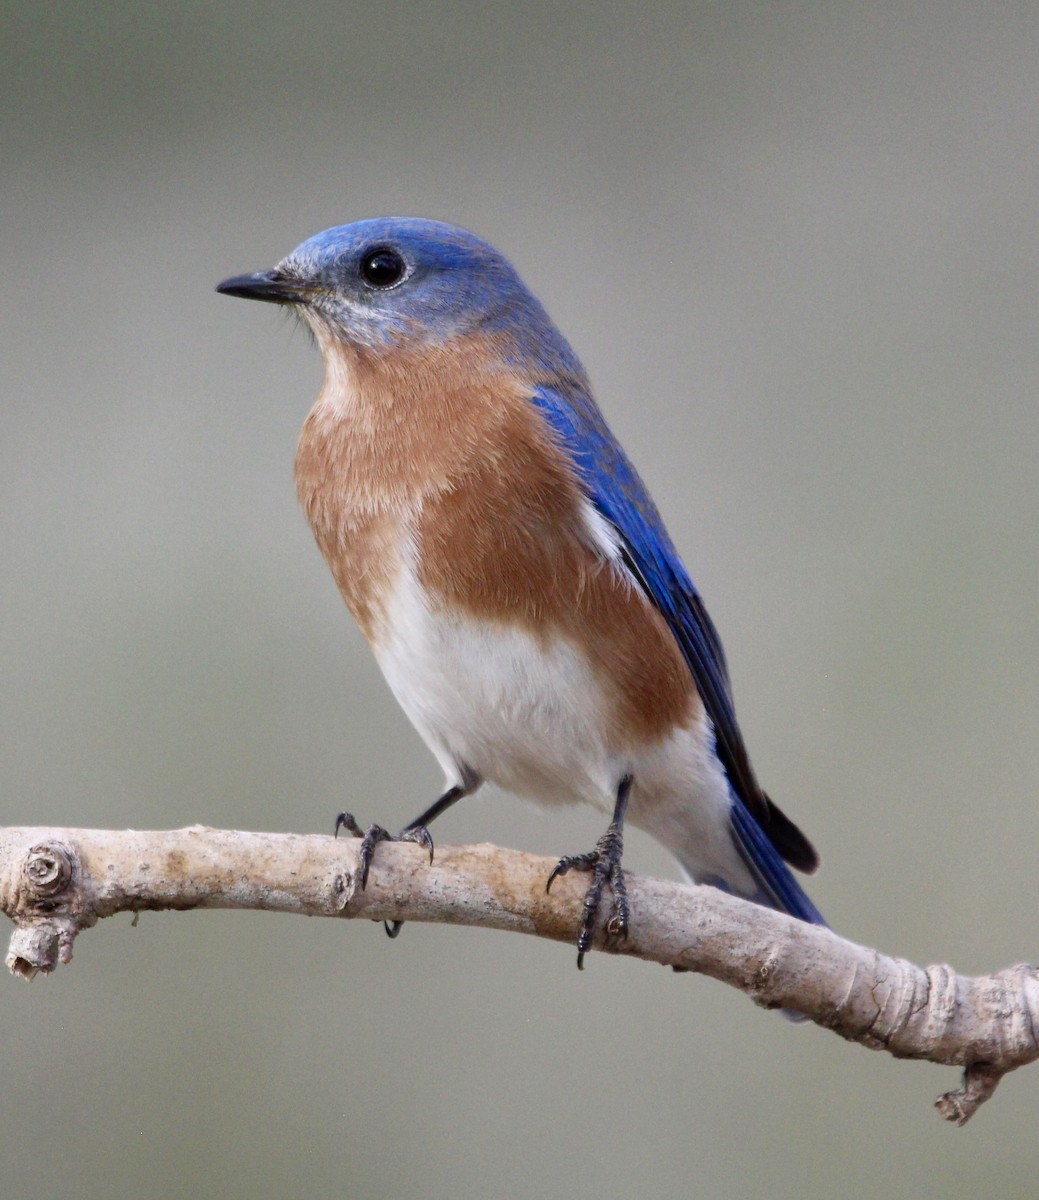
{"x":56,"y":882}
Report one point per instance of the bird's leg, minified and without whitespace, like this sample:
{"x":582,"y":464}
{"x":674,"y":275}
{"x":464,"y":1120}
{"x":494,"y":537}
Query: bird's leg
{"x":414,"y":831}
{"x":604,"y":862}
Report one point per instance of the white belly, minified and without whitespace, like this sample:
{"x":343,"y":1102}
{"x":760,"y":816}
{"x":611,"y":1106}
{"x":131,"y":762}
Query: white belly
{"x":523,"y":714}
{"x":529,"y":716}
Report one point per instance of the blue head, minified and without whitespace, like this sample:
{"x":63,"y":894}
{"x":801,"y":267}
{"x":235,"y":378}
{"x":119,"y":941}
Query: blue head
{"x":403,"y":280}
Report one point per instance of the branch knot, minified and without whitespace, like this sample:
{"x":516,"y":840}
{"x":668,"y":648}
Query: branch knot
{"x":47,"y":871}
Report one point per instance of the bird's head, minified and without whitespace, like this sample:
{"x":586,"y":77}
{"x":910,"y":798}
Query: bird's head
{"x":396,"y":281}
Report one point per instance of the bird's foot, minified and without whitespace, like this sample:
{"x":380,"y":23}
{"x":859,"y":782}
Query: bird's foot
{"x":604,"y":863}
{"x":371,"y":837}
{"x":415,"y":832}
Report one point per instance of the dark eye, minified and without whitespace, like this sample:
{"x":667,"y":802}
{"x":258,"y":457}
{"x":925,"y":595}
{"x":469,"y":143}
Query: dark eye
{"x":382,"y":267}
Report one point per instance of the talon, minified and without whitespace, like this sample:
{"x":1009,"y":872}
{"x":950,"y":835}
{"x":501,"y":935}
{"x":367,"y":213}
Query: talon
{"x":577,"y":862}
{"x":421,"y":836}
{"x":415,"y":832}
{"x":560,"y":868}
{"x":616,"y":927}
{"x":371,"y":837}
{"x":604,"y":863}
{"x":346,"y":821}
{"x":604,"y":867}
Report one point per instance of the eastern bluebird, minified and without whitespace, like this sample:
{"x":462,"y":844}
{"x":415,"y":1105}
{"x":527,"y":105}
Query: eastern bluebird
{"x":508,"y":567}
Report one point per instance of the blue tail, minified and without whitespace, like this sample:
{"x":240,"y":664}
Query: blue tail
{"x":778,"y":888}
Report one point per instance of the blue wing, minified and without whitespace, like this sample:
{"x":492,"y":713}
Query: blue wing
{"x":763,"y":834}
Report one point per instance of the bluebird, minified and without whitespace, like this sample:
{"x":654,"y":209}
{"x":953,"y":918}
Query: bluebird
{"x":508,"y":567}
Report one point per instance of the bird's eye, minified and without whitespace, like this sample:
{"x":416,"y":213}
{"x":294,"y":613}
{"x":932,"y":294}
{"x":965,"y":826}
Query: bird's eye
{"x":382,"y":267}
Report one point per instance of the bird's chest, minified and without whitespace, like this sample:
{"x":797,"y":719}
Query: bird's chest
{"x":364,"y":551}
{"x":464,"y":549}
{"x":360,"y":504}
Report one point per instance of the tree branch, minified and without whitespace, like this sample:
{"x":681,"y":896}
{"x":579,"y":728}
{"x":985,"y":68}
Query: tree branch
{"x":56,"y":882}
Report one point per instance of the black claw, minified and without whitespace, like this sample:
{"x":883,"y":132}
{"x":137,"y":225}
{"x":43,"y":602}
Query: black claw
{"x":617,"y":925}
{"x":346,"y":821}
{"x":604,"y":863}
{"x":372,"y":836}
{"x":415,"y":832}
{"x":572,"y":862}
{"x":421,"y":836}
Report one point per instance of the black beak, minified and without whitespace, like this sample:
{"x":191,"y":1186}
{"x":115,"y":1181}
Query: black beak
{"x":272,"y":286}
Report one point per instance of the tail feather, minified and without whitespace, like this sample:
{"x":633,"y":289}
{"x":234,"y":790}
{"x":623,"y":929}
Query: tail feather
{"x":786,"y":837}
{"x":778,"y":888}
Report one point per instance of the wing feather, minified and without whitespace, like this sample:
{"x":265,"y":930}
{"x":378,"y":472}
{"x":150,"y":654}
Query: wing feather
{"x":615,"y":489}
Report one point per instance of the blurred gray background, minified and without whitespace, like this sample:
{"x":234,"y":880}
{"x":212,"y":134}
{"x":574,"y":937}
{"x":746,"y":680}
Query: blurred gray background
{"x":796,"y":247}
